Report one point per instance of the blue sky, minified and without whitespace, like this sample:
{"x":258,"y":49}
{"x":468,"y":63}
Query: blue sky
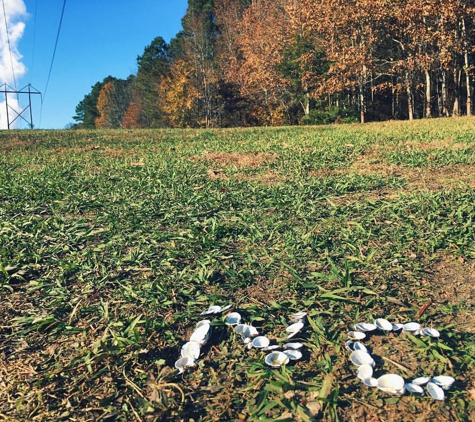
{"x":98,"y":38}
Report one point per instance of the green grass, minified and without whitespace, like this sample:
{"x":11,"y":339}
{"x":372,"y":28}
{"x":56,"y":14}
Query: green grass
{"x":113,"y":242}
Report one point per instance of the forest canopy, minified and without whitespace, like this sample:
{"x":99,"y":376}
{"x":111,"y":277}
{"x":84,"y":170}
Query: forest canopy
{"x":283,"y":62}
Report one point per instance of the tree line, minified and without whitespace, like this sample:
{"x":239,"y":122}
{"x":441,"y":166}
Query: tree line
{"x":280,"y":62}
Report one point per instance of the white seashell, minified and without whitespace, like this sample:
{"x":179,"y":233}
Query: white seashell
{"x":371,"y":382}
{"x":260,"y":342}
{"x":294,"y":329}
{"x":414,"y":388}
{"x":359,"y":357}
{"x":364,"y":372}
{"x":183,"y":363}
{"x":233,"y":318}
{"x":420,"y":381}
{"x":246,"y":330}
{"x":365,"y":326}
{"x":269,"y":348}
{"x":250,"y":331}
{"x":391,"y":383}
{"x":240,"y":328}
{"x":203,"y":322}
{"x":431,"y":332}
{"x":443,"y":381}
{"x":349,"y":345}
{"x":293,"y":346}
{"x":397,"y":327}
{"x":276,"y":359}
{"x":435,"y":391}
{"x":359,"y":346}
{"x":247,"y":341}
{"x":383,"y":324}
{"x":411,"y":327}
{"x":293,"y":354}
{"x":201,"y":334}
{"x":214,"y":309}
{"x":298,"y":316}
{"x":191,"y":350}
{"x":356,"y":335}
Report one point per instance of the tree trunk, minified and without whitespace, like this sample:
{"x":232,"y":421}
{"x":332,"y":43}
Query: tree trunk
{"x":469,"y":87}
{"x":445,"y":110}
{"x":456,"y":109}
{"x":362,"y":100}
{"x":306,"y":102}
{"x":428,"y":96}
{"x":410,"y":108}
{"x":467,"y":73}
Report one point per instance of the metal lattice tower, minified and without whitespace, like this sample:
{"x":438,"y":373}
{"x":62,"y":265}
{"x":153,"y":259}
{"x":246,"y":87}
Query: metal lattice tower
{"x":27,"y":90}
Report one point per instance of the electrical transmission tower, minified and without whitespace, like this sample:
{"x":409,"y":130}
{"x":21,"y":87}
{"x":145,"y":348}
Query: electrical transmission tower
{"x":27,"y":90}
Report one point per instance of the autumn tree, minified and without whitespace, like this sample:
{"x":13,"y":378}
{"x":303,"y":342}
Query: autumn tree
{"x":153,"y":65}
{"x":86,"y":110}
{"x":113,"y":101}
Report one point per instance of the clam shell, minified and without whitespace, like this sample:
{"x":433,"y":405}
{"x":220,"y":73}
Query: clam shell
{"x":183,"y":363}
{"x":365,"y":326}
{"x":191,"y":350}
{"x":414,"y":388}
{"x":411,"y":327}
{"x":269,"y":348}
{"x":240,"y":328}
{"x":359,"y":357}
{"x":371,"y":382}
{"x":203,"y":322}
{"x":233,"y":318}
{"x":420,"y":381}
{"x":364,"y":372}
{"x":294,"y":329}
{"x":349,"y":345}
{"x":214,"y":309}
{"x":383,"y":324}
{"x":201,"y":334}
{"x":359,"y":346}
{"x":293,"y":354}
{"x":431,"y":332}
{"x":356,"y":335}
{"x":391,"y":383}
{"x":443,"y":381}
{"x":397,"y":327}
{"x":260,"y":342}
{"x":293,"y":346}
{"x":276,"y":359}
{"x":250,"y":331}
{"x":435,"y":391}
{"x":298,"y":316}
{"x":246,"y":330}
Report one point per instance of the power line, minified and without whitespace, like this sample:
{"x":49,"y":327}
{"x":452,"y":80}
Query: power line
{"x":34,"y":41}
{"x":9,"y":45}
{"x":54,"y":51}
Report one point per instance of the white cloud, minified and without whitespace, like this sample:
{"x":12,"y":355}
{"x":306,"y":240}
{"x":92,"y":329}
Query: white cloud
{"x":11,"y":67}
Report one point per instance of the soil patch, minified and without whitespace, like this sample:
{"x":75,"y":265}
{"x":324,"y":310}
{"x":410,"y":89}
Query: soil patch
{"x":240,"y":160}
{"x":452,"y":283}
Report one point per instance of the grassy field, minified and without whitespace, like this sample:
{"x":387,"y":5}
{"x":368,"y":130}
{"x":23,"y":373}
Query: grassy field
{"x":113,"y":242}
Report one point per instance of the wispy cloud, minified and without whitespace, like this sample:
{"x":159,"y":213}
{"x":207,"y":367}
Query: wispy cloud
{"x":12,"y":17}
